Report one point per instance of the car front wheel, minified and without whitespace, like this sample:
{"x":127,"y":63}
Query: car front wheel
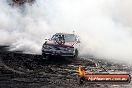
{"x":76,"y":54}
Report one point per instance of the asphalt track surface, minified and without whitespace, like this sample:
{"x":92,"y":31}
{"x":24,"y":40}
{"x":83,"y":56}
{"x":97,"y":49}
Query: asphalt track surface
{"x":18,"y":70}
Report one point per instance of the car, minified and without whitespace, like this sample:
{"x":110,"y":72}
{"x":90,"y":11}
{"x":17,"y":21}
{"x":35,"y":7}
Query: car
{"x":61,"y":44}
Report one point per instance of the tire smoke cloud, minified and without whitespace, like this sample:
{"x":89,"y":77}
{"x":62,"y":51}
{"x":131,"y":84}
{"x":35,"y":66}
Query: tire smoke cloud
{"x":104,"y":26}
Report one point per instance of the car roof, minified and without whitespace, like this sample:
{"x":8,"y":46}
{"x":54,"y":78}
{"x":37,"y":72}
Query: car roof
{"x":63,"y":33}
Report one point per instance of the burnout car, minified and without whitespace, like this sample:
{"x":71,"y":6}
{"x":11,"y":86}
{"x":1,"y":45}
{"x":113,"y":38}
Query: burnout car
{"x":61,"y":44}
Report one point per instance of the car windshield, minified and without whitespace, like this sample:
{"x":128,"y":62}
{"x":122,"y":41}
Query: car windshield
{"x":67,"y":37}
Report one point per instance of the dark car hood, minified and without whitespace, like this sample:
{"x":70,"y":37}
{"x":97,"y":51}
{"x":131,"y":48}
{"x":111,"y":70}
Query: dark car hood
{"x":67,"y":44}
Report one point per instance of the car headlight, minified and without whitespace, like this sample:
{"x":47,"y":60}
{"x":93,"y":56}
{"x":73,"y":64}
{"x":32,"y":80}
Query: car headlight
{"x":47,"y":47}
{"x":70,"y":49}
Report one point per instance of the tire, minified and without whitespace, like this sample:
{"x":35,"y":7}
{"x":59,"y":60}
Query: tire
{"x":76,"y":54}
{"x":47,"y":57}
{"x":43,"y":55}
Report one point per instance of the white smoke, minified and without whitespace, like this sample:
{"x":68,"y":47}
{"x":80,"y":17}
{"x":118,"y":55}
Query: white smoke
{"x":104,"y":26}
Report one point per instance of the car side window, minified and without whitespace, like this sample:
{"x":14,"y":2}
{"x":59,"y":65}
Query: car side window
{"x":53,"y":37}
